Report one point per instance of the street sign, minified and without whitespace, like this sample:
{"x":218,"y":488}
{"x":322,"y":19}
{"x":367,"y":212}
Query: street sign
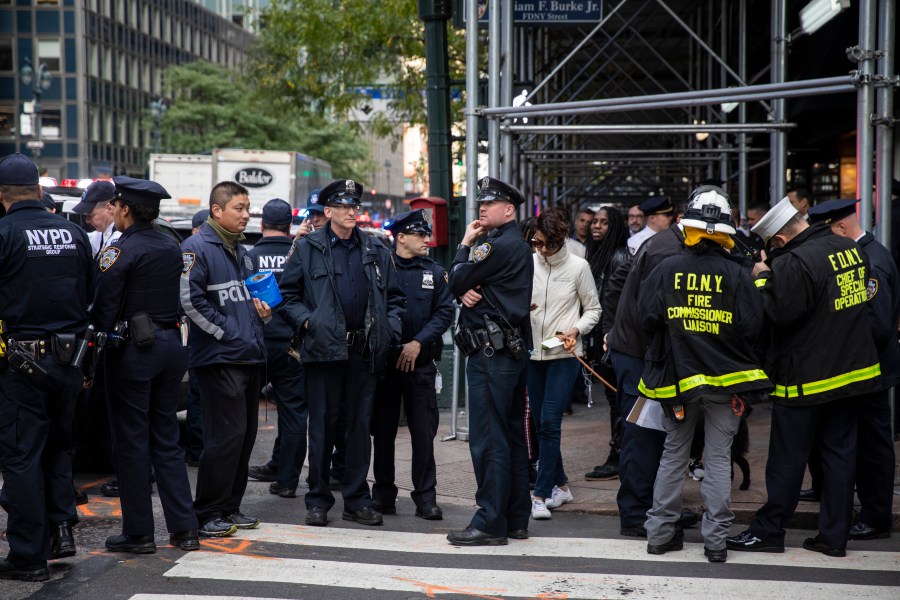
{"x":540,"y":12}
{"x":35,"y":144}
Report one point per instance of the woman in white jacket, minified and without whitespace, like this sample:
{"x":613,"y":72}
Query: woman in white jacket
{"x":564,"y":305}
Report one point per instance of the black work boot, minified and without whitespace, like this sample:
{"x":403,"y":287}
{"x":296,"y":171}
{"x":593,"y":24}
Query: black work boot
{"x":62,"y":542}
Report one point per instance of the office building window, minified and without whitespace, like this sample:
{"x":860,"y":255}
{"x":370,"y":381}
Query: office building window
{"x":6,"y":54}
{"x":48,"y":53}
{"x":7,"y":121}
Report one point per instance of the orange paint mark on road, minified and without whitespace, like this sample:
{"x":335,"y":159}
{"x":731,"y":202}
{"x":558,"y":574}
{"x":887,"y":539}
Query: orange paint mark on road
{"x":101,"y":507}
{"x":430,"y":590}
{"x":232,"y":546}
{"x":552,"y":596}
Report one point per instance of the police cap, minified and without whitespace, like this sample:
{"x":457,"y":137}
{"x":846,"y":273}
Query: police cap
{"x":832,"y":210}
{"x":413,"y":221}
{"x":199,"y":218}
{"x":99,"y":191}
{"x":773,"y":221}
{"x":341,"y":192}
{"x":657,"y":205}
{"x":47,"y":201}
{"x":18,"y":169}
{"x":491,"y":189}
{"x":277,"y":212}
{"x":312,"y":202}
{"x":141,"y":191}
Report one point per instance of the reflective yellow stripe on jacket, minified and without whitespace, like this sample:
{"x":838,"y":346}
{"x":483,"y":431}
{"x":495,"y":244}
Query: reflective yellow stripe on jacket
{"x":826,"y":385}
{"x":689,"y":383}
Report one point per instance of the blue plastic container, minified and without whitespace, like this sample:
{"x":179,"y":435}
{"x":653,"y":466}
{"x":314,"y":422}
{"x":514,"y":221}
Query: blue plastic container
{"x":265,"y":287}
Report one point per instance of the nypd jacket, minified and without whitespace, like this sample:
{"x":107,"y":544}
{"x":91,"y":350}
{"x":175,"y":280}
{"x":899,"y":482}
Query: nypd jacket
{"x":883,"y":292}
{"x":621,"y":317}
{"x":47,"y":275}
{"x":269,"y":255}
{"x":703,"y":315}
{"x":310,"y":293}
{"x":224,"y":324}
{"x":821,"y":339}
{"x":429,"y":306}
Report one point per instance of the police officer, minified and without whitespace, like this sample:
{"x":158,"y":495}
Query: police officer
{"x":696,"y":362}
{"x":340,"y":294}
{"x":495,"y":288}
{"x":45,"y":287}
{"x":138,"y":285}
{"x":659,"y":214}
{"x":285,"y":373}
{"x":411,"y":370}
{"x":94,"y":205}
{"x":875,"y":451}
{"x":822,"y":359}
{"x":315,"y":215}
{"x":225,"y":349}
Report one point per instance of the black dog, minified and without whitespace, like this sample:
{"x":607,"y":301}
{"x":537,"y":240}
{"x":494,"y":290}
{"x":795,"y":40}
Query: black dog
{"x":740,"y":446}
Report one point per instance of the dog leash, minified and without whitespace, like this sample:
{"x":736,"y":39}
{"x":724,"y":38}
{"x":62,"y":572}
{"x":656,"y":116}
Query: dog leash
{"x":588,"y":367}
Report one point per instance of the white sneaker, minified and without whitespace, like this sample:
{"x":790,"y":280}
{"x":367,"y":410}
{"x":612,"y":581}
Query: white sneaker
{"x":539,"y":509}
{"x":558,"y":497}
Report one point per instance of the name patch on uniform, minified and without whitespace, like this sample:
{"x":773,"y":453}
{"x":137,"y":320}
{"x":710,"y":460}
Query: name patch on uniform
{"x":871,"y":288}
{"x":109,"y":257}
{"x":481,"y":252}
{"x":189,"y":258}
{"x":51,"y":242}
{"x":427,"y":280}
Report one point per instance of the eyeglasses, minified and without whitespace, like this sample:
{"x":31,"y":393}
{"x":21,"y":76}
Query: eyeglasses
{"x":535,"y":243}
{"x":356,"y":207}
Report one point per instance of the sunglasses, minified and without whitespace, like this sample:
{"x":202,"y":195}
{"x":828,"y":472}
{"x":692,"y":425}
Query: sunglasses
{"x":535,"y":243}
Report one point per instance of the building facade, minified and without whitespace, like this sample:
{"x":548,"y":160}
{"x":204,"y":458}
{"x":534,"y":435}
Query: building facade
{"x":104,"y":61}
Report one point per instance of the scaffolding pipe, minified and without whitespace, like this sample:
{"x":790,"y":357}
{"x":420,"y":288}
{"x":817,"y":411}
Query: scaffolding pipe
{"x":865,"y":107}
{"x":884,"y":131}
{"x":688,"y":129}
{"x":724,"y":165}
{"x":743,"y":171}
{"x":772,"y":90}
{"x":778,"y":139}
{"x":494,"y":41}
{"x":627,"y":152}
{"x":506,"y":91}
{"x":471,"y":110}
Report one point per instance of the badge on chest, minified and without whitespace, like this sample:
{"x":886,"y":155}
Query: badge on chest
{"x":427,"y":280}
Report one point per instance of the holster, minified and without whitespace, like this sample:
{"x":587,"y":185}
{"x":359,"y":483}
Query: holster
{"x":63,"y":346}
{"x":467,"y":341}
{"x":141,"y":330}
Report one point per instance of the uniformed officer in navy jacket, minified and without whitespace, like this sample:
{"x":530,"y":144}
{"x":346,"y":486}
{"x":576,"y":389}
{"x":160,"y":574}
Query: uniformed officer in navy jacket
{"x":284,"y":373}
{"x":138,"y":284}
{"x":45,"y":286}
{"x":226,"y":347}
{"x":411,"y":370}
{"x":340,"y":294}
{"x":496,"y":285}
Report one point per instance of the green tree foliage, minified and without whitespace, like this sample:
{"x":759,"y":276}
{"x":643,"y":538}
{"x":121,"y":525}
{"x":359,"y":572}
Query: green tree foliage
{"x":212,"y":107}
{"x":316,"y":54}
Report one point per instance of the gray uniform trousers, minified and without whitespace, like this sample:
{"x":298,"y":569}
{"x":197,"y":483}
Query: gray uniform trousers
{"x":715,"y":489}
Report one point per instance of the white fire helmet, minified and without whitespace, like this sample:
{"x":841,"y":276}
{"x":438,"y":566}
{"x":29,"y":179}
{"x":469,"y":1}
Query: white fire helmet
{"x":709,"y":208}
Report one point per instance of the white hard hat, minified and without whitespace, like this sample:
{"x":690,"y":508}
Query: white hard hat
{"x":709,"y":208}
{"x":777,"y":217}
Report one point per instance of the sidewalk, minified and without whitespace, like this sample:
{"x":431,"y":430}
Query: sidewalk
{"x":585,"y":439}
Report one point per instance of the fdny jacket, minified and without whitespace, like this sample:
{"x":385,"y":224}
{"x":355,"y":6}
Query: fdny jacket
{"x":310,"y":293}
{"x":883,"y":292}
{"x":621,"y":317}
{"x":815,"y":299}
{"x":224,"y":324}
{"x":269,"y":255}
{"x":429,"y":306}
{"x":46,"y":279}
{"x":703,"y":316}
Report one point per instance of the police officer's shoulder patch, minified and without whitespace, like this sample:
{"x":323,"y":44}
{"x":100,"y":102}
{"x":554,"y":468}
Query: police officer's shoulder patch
{"x":446,"y":278}
{"x":248,"y":263}
{"x":481,"y":252}
{"x":189,"y":258}
{"x":871,"y":288}
{"x":108,"y":257}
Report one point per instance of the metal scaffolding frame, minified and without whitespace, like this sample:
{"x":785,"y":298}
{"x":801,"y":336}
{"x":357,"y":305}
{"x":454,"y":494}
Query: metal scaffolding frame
{"x":664,"y":67}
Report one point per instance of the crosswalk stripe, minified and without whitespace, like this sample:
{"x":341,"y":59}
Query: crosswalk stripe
{"x":601,"y":549}
{"x":194,"y":597}
{"x":500,"y":584}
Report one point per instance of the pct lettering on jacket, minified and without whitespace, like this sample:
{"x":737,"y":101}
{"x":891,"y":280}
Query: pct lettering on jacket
{"x":230,"y":291}
{"x":50,"y":242}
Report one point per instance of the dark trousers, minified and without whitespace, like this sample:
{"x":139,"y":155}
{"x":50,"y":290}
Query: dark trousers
{"x":142,"y":387}
{"x":831,"y":429}
{"x":193,"y":443}
{"x":496,"y":442}
{"x":230,"y":398}
{"x":289,"y":392}
{"x":331,"y":386}
{"x":874,"y":460}
{"x":419,"y":399}
{"x":36,"y":450}
{"x":641,"y":447}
